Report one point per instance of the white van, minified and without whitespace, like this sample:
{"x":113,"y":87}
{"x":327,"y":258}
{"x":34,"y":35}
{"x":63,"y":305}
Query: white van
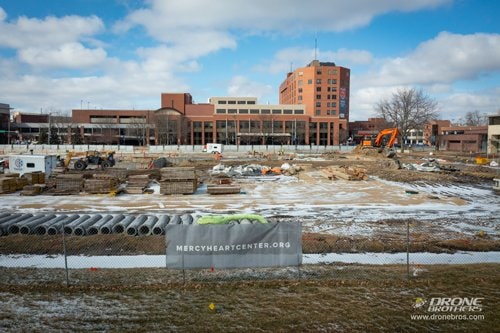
{"x":213,"y":148}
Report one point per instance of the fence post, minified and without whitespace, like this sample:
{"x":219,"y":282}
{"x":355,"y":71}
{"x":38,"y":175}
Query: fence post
{"x":408,"y":248}
{"x":65,"y":255}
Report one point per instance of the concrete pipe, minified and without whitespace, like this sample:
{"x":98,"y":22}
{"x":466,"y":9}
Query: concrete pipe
{"x":159,"y":227}
{"x":42,"y":228}
{"x":57,"y":227}
{"x":68,"y":228}
{"x":146,"y":228}
{"x":186,"y":219}
{"x":8,"y":217}
{"x":4,"y":227}
{"x":94,"y":229}
{"x":122,"y":226}
{"x":3,"y":215}
{"x":107,"y":228}
{"x":81,"y":229}
{"x":15,"y":227}
{"x":132,"y":229}
{"x":176,"y":219}
{"x":28,"y":228}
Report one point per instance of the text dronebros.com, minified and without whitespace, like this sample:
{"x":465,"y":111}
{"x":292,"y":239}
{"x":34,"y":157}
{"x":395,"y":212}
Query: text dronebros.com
{"x":448,"y":316}
{"x":232,"y":247}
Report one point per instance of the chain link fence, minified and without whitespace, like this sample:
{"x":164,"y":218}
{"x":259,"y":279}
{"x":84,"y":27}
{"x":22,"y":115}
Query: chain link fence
{"x":108,"y":249}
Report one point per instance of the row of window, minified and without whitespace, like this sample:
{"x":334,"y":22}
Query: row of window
{"x":258,"y":111}
{"x":318,"y":81}
{"x":235,"y":102}
{"x":328,"y":112}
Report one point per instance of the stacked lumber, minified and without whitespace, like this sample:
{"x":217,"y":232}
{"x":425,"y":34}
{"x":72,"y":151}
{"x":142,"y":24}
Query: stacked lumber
{"x":223,"y":189}
{"x":37,"y":177}
{"x":120,"y":173}
{"x":345,"y":172}
{"x":69,"y":183}
{"x":30,"y":190}
{"x":21,"y":182}
{"x":152,"y":173}
{"x":178,"y":180}
{"x":7,"y":185}
{"x":101,"y":184}
{"x":222,"y":185}
{"x":137,"y":184}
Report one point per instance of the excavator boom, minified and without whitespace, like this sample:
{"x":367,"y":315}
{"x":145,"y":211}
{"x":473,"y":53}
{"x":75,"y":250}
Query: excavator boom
{"x":392,"y":131}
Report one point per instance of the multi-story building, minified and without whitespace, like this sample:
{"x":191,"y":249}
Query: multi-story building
{"x":471,"y":139}
{"x":323,"y":88}
{"x":4,"y":123}
{"x":433,"y":130}
{"x":494,"y":134}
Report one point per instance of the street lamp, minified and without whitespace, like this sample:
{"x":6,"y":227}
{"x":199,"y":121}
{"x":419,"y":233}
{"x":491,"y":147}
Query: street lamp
{"x":8,"y":126}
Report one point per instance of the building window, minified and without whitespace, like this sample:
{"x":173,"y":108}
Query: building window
{"x":334,"y":112}
{"x":334,"y":81}
{"x":328,"y":104}
{"x":334,"y":96}
{"x":318,"y":81}
{"x":332,"y":72}
{"x":300,"y":82}
{"x":318,"y":104}
{"x":250,"y":102}
{"x":241,"y":102}
{"x":334,"y":104}
{"x":318,"y":96}
{"x":301,"y":73}
{"x":222,"y":102}
{"x":310,"y":81}
{"x":275,"y":111}
{"x":265,"y":111}
{"x":318,"y":72}
{"x":219,"y":111}
{"x":231,"y":111}
{"x":231,"y":102}
{"x":254,"y":111}
{"x":300,"y":90}
{"x":334,"y":89}
{"x":287,"y":112}
{"x":328,"y":89}
{"x":300,"y":97}
{"x":243,"y":111}
{"x":318,"y":89}
{"x":318,"y":112}
{"x":298,"y":111}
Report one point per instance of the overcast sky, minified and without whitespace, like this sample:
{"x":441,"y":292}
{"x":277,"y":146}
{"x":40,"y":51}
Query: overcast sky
{"x":57,"y":55}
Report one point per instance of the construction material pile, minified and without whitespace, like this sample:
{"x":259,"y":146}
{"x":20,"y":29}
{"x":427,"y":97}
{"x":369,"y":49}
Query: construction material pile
{"x":256,"y":170}
{"x":345,"y":172}
{"x":68,"y":184}
{"x":7,"y":185}
{"x":137,"y":184}
{"x":102,"y":184}
{"x":178,"y":180}
{"x":222,"y":184}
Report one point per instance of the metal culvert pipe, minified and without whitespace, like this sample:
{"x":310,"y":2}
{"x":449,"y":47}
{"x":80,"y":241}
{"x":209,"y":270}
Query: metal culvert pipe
{"x":41,"y":229}
{"x":68,"y":228}
{"x":3,"y":215}
{"x":146,"y":228}
{"x":159,"y":227}
{"x":4,"y":227}
{"x":132,"y":229}
{"x":81,"y":229}
{"x":57,"y":227}
{"x":122,"y":226}
{"x":6,"y":217}
{"x":107,"y":228}
{"x":15,"y":227}
{"x":94,"y":229}
{"x":27,"y":228}
{"x":186,"y":219}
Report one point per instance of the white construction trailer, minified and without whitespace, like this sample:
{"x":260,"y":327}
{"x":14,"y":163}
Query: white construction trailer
{"x":31,"y":163}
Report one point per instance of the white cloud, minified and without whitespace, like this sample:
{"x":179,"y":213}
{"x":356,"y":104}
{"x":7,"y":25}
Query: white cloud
{"x":70,"y":55}
{"x":444,"y":59}
{"x":244,"y":87}
{"x":51,"y":31}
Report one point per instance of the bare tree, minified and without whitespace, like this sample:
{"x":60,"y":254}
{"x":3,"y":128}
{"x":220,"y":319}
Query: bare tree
{"x":407,"y":109}
{"x":474,"y":118}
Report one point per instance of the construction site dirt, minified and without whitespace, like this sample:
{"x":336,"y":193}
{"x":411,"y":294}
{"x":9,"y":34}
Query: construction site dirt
{"x":450,"y":210}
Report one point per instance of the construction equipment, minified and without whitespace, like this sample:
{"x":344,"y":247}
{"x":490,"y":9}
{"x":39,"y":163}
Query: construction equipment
{"x":81,"y":160}
{"x":377,"y":143}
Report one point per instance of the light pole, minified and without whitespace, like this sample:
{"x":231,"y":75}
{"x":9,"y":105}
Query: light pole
{"x":50,"y":128}
{"x":8,"y":127}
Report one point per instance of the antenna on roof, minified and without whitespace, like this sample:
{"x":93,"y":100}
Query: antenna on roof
{"x":315,"y":48}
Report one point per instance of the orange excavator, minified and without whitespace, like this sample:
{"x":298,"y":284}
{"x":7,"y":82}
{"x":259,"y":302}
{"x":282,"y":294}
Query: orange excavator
{"x":378,"y":140}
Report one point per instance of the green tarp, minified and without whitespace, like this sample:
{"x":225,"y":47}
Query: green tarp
{"x":225,"y":219}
